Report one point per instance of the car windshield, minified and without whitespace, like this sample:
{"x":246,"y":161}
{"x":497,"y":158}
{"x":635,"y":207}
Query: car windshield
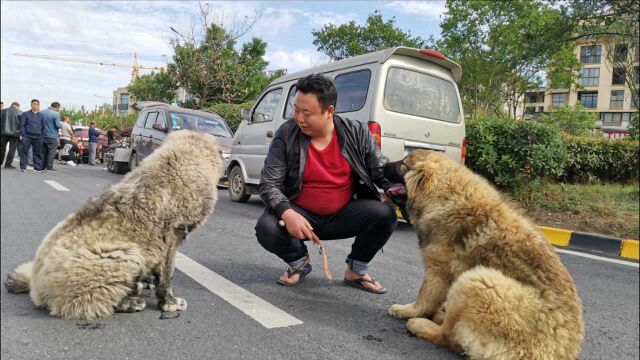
{"x":180,"y":121}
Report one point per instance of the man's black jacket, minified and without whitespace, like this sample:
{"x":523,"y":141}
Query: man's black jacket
{"x":283,"y":169}
{"x":10,"y":122}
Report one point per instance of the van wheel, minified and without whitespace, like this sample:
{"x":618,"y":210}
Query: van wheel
{"x":133,"y":161}
{"x":237,"y":187}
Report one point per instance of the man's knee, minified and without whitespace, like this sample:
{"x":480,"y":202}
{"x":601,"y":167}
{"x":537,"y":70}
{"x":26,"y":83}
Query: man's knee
{"x":384,"y":214}
{"x":267,"y":230}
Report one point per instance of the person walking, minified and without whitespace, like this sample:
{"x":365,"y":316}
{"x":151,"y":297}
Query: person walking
{"x":66,"y":135}
{"x":31,"y":129}
{"x":52,"y":124}
{"x":93,"y":142}
{"x":10,"y":133}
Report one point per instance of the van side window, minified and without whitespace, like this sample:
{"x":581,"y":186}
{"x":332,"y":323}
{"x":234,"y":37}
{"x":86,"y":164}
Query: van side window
{"x":160,"y":120}
{"x":266,"y":108}
{"x":141,"y":119}
{"x":151,"y":119}
{"x":288,"y":107}
{"x":352,"y":90}
{"x":414,"y":93}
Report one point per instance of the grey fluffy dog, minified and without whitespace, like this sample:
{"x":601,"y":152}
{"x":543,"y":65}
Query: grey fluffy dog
{"x":91,"y":264}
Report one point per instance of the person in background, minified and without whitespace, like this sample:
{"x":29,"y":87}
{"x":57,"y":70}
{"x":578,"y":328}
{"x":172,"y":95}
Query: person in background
{"x":93,"y":142}
{"x":1,"y":105}
{"x":111,"y":134}
{"x":31,"y":129}
{"x":66,"y":136}
{"x":50,"y":134}
{"x":70,"y":152}
{"x":10,"y":133}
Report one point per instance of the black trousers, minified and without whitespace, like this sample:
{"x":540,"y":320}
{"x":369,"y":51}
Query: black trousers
{"x":13,"y":144}
{"x":371,"y":221}
{"x":49,"y":152}
{"x":36,"y":144}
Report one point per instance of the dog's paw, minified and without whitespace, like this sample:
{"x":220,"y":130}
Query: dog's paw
{"x":403,"y":311}
{"x":423,"y":328}
{"x":179,"y":305}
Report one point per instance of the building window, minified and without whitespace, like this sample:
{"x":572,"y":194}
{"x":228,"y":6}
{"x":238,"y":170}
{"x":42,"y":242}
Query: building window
{"x":540,"y":109}
{"x":590,"y":54}
{"x":588,"y":99}
{"x":611,"y":119}
{"x":621,"y":53}
{"x":558,"y":100}
{"x":635,"y":104}
{"x":533,"y":99}
{"x":636,"y":75}
{"x":617,"y":99}
{"x":589,"y":76}
{"x":124,"y":99}
{"x":530,"y":110}
{"x":618,"y":76}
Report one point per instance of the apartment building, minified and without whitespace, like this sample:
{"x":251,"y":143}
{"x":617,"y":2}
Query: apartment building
{"x":121,"y":101}
{"x":602,"y":88}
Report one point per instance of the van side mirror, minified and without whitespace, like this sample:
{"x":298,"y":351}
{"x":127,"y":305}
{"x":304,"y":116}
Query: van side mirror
{"x":245,"y":114}
{"x":159,"y":127}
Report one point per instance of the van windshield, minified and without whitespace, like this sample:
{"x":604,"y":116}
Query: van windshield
{"x":414,"y":93}
{"x":180,"y":121}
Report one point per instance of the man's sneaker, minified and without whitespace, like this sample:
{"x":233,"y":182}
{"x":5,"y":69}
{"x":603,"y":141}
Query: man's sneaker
{"x":23,"y":170}
{"x":71,"y":163}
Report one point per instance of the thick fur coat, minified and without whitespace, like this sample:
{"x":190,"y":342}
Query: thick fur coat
{"x":494,"y":287}
{"x":91,"y":264}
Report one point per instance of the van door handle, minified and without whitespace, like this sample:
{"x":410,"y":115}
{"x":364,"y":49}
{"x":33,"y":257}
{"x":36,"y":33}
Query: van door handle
{"x":269,"y":134}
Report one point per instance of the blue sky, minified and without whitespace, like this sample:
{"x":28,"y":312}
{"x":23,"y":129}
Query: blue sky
{"x":112,"y":30}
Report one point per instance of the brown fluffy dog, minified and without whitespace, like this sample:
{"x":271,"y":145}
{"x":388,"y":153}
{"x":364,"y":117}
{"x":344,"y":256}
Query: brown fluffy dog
{"x":91,"y":263}
{"x":494,"y":287}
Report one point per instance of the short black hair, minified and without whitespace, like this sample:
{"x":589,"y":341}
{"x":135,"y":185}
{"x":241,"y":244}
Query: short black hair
{"x":35,"y":100}
{"x":55,"y":105}
{"x":15,"y":103}
{"x":322,"y":87}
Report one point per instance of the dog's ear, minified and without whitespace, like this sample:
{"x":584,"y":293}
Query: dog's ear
{"x":423,"y":179}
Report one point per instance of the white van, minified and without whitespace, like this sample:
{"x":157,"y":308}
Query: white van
{"x":407,"y":97}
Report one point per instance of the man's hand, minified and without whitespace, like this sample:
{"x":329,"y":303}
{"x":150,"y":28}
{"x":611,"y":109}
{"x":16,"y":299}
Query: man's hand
{"x":298,"y":226}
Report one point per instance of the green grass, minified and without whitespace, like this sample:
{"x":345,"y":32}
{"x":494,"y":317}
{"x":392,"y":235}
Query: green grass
{"x":604,"y":199}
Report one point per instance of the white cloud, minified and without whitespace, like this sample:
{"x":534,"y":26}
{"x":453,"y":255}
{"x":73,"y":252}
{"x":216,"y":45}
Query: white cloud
{"x":295,"y":60}
{"x":432,"y":9}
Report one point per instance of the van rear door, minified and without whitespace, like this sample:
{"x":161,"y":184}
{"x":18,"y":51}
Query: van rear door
{"x":419,"y":109}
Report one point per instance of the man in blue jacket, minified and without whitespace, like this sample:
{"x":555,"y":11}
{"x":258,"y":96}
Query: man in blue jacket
{"x":52,"y":124}
{"x":93,"y":142}
{"x":31,"y":129}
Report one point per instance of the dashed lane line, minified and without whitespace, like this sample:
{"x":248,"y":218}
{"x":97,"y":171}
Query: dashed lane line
{"x":260,"y":310}
{"x":56,"y":185}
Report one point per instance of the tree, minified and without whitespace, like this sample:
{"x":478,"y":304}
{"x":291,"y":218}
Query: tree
{"x":207,"y":64}
{"x":154,"y":87}
{"x":572,"y":120}
{"x":503,"y":48}
{"x":350,"y":39}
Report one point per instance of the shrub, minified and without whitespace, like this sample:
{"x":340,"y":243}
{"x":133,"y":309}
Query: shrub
{"x":599,"y":159}
{"x":230,"y":112}
{"x":508,"y":152}
{"x":573,"y":120}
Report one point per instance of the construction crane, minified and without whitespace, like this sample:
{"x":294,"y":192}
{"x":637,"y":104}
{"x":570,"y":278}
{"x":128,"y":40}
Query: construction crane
{"x":135,"y":73}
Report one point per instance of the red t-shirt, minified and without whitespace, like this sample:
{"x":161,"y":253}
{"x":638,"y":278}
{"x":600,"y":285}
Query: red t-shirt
{"x":326,"y":185}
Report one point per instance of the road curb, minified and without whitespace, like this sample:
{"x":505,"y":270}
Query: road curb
{"x":609,"y":245}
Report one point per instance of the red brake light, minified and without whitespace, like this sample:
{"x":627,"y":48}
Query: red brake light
{"x":463,"y":154}
{"x":433,"y":53}
{"x":375,"y":130}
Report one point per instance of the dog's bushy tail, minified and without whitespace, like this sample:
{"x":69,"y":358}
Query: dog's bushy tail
{"x":19,"y":279}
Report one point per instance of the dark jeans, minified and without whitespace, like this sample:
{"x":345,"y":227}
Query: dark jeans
{"x":13,"y":144}
{"x":27,"y":143}
{"x":371,"y":221}
{"x":49,"y":152}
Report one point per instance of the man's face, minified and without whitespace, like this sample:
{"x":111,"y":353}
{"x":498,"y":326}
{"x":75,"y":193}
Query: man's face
{"x":35,"y":106}
{"x":309,"y":116}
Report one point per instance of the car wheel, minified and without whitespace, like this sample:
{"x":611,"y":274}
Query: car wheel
{"x":133,"y":161}
{"x":237,"y":187}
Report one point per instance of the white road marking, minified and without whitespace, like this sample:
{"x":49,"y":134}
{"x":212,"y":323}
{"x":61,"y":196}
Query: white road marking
{"x":596,"y":257}
{"x":55,"y":185}
{"x":258,"y":309}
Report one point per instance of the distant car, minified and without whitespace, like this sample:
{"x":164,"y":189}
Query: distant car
{"x":156,"y":120}
{"x":82,"y":134}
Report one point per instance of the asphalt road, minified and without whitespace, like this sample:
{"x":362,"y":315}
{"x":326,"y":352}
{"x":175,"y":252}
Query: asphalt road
{"x":338,"y":322}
